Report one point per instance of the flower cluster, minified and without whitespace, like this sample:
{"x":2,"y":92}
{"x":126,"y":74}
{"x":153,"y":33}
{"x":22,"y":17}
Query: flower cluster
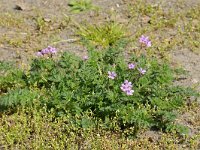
{"x":111,"y":75}
{"x":145,"y":40}
{"x":48,"y":50}
{"x":127,"y":87}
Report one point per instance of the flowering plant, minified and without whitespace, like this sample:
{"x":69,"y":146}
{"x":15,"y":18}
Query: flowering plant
{"x":138,"y":94}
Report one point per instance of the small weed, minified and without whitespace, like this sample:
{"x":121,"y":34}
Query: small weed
{"x":103,"y":35}
{"x":190,"y":32}
{"x":157,"y":17}
{"x":10,"y":78}
{"x":41,"y":25}
{"x":78,"y":6}
{"x":15,"y":42}
{"x":10,"y":20}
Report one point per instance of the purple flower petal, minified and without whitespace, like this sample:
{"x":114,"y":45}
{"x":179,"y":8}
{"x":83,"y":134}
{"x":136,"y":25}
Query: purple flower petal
{"x":145,"y":40}
{"x":39,"y":54}
{"x":111,"y":75}
{"x":142,"y":71}
{"x":85,"y":57}
{"x":45,"y":51}
{"x":148,"y":44}
{"x":129,"y":92}
{"x":131,"y":66}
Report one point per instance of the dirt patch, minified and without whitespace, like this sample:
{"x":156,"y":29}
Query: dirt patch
{"x":190,"y":62}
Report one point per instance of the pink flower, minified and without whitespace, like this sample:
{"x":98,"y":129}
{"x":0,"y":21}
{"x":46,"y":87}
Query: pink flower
{"x":39,"y":54}
{"x":85,"y":57}
{"x":111,"y":75}
{"x":142,"y":71}
{"x":48,"y":50}
{"x":129,"y":92}
{"x":145,"y":40}
{"x":131,"y":66}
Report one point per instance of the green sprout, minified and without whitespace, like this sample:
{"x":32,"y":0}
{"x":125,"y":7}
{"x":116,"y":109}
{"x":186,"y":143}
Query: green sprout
{"x":81,"y":5}
{"x":103,"y":35}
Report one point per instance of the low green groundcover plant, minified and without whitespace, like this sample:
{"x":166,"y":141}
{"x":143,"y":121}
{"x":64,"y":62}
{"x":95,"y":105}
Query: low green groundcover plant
{"x":78,"y":6}
{"x":102,"y":89}
{"x":104,"y":35}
